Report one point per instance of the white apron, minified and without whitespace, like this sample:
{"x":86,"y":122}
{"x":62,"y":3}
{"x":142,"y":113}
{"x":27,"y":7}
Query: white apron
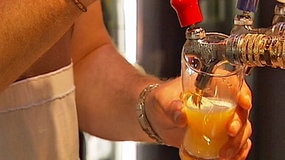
{"x":38,"y":119}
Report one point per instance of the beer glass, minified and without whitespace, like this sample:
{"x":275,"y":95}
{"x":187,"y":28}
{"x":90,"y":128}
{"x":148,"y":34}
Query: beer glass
{"x":209,"y":109}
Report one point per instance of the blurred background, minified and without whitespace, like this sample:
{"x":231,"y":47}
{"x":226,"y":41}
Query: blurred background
{"x":148,"y":34}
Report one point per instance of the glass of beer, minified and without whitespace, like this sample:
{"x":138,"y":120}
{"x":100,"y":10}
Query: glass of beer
{"x":209,"y":109}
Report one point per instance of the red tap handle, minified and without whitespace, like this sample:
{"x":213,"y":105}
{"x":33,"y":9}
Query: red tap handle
{"x":188,"y":11}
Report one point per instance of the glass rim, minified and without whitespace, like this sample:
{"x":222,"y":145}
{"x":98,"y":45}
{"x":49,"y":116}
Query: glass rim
{"x":239,"y":69}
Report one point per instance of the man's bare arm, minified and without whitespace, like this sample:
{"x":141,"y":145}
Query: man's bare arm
{"x":28,"y":28}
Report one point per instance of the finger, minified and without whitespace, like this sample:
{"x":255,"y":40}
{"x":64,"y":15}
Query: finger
{"x":242,"y":155}
{"x":241,"y":112}
{"x":234,"y":145}
{"x":244,"y":98}
{"x":179,"y":116}
{"x":174,"y":133}
{"x":240,"y":117}
{"x":245,"y":89}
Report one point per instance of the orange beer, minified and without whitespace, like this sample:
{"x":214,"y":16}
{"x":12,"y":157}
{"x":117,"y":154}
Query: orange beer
{"x":206,"y":132}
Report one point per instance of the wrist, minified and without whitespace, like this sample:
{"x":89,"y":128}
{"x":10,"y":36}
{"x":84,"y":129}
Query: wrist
{"x":142,"y":116}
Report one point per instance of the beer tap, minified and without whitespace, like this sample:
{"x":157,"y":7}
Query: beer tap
{"x":243,"y":23}
{"x":246,"y":46}
{"x":260,"y":47}
{"x":201,"y":47}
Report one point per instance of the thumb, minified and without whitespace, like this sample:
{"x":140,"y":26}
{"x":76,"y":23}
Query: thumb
{"x":178,"y":114}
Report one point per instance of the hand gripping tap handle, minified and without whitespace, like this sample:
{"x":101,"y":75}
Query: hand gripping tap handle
{"x":188,"y":11}
{"x":247,"y":5}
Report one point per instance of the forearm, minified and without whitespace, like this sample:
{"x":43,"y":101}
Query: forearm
{"x":29,"y":28}
{"x":107,"y":87}
{"x":107,"y":95}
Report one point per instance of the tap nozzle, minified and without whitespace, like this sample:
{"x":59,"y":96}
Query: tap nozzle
{"x":207,"y":49}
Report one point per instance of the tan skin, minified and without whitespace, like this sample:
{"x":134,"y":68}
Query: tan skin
{"x":108,"y":88}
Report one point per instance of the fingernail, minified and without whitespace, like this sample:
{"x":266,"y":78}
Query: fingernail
{"x":177,"y":115}
{"x":180,"y":119}
{"x":248,"y":98}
